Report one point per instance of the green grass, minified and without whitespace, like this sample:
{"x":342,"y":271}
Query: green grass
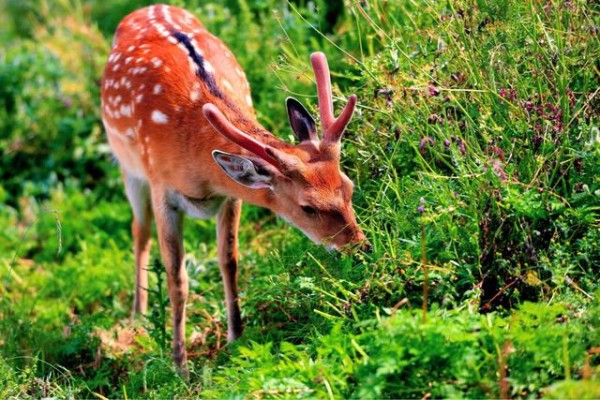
{"x":477,"y":125}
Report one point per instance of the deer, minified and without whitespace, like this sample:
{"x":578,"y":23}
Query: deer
{"x":178,"y":114}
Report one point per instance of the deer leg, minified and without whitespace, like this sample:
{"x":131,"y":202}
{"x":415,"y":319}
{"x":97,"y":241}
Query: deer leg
{"x":169,"y":224}
{"x":138,"y":194}
{"x":227,"y":237}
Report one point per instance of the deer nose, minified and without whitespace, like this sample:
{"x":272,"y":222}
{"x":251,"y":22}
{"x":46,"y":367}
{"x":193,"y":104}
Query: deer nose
{"x":360,"y":242}
{"x":366,"y":247}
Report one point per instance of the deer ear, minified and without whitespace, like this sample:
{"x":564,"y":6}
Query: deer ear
{"x":243,"y":170}
{"x":302,"y":122}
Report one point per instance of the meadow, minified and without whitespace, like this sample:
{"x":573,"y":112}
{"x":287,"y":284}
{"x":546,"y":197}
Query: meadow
{"x":475,"y":151}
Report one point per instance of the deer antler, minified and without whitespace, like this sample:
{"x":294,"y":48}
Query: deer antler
{"x":332,"y":127}
{"x":280,"y":160}
{"x":227,"y":129}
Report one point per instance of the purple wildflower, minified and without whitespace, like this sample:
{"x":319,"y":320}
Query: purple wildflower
{"x":424,"y":142}
{"x":67,"y":101}
{"x":461,"y":146}
{"x":388,"y":95}
{"x":433,"y":91}
{"x":435,"y":119}
{"x":498,"y":169}
{"x":421,"y":207}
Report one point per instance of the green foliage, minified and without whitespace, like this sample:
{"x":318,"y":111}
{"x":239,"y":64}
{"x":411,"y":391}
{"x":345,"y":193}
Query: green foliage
{"x":478,"y":121}
{"x":158,"y":315}
{"x":488,"y":118}
{"x":455,"y":354}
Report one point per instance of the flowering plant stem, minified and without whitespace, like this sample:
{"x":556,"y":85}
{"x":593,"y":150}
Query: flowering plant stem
{"x":425,"y":271}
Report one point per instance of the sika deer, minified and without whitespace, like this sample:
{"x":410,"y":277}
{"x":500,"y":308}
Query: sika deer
{"x":178,"y":114}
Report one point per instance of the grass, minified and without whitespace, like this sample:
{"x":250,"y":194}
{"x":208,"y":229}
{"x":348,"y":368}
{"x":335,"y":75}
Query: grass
{"x":475,"y":153}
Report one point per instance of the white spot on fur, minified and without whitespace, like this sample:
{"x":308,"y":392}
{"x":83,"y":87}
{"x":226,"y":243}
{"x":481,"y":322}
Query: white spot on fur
{"x":188,"y":17}
{"x":182,"y":47}
{"x":208,"y":67}
{"x":138,"y":98}
{"x":161,"y":30}
{"x":192,"y":65}
{"x":138,"y":70}
{"x":195,"y":95}
{"x":106,"y":109}
{"x":131,"y":48}
{"x":159,"y":118}
{"x":128,"y":60}
{"x":130,"y":133}
{"x":157,"y":89}
{"x":196,"y":47}
{"x":125,"y":110}
{"x":169,"y":18}
{"x":227,"y":85}
{"x":116,"y":67}
{"x":157,"y":62}
{"x":249,"y":100}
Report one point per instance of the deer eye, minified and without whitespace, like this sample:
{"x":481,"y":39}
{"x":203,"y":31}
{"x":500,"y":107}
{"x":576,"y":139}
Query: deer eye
{"x":309,"y":210}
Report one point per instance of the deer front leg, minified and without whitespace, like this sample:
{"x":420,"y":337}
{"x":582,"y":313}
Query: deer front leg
{"x":227,"y":237}
{"x":138,"y":194}
{"x":169,"y":224}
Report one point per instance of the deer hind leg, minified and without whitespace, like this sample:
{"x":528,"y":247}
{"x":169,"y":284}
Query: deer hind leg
{"x":138,"y":194}
{"x":227,"y":237}
{"x":169,"y":225}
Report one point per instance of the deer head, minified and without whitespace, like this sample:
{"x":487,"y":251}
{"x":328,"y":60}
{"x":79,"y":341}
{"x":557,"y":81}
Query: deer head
{"x":305,"y":184}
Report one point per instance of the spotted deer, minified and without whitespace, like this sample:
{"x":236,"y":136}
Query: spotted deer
{"x":178,"y":114}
